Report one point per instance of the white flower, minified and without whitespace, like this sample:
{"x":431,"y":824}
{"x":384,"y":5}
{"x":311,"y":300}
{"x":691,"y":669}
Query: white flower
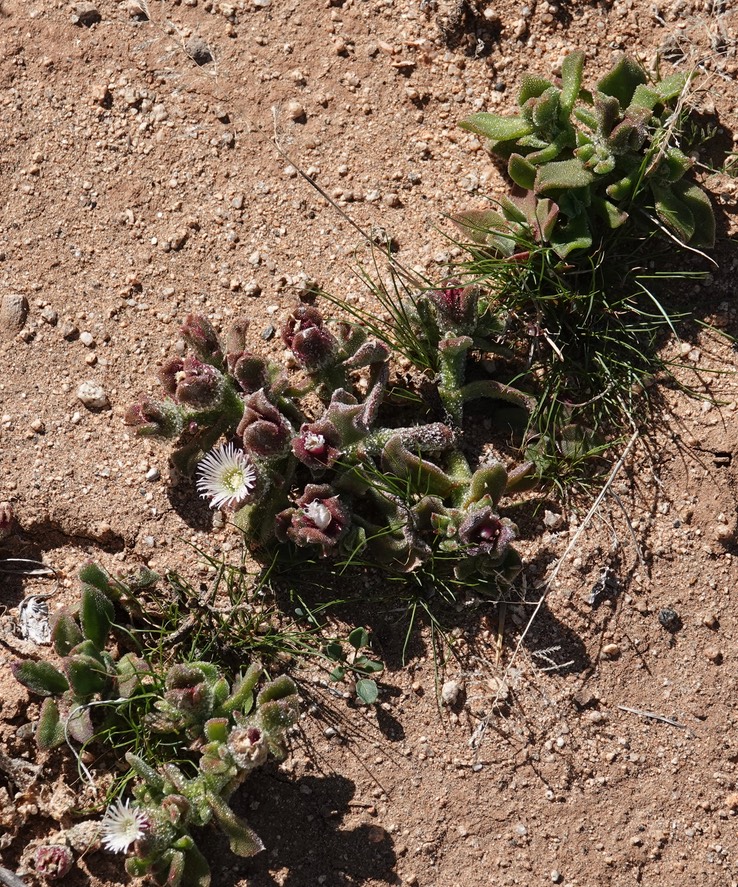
{"x":318,"y":514}
{"x":314,"y":442}
{"x":226,"y":475}
{"x":122,"y":825}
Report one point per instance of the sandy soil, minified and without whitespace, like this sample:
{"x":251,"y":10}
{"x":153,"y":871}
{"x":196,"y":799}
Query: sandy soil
{"x":140,"y":183}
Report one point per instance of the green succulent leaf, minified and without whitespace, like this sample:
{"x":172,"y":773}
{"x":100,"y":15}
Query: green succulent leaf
{"x":86,"y":675}
{"x":489,"y":480}
{"x":562,"y":175}
{"x":496,"y":128}
{"x":672,"y":86}
{"x":532,"y":87}
{"x":521,"y":171}
{"x":367,"y":691}
{"x":622,"y":80}
{"x":609,"y":213}
{"x":40,"y":677}
{"x":574,"y":235}
{"x":65,"y":634}
{"x":50,"y":730}
{"x":243,"y":839}
{"x":96,"y":615}
{"x":698,"y":203}
{"x":280,"y":688}
{"x":91,"y":574}
{"x":241,"y":698}
{"x":571,"y":79}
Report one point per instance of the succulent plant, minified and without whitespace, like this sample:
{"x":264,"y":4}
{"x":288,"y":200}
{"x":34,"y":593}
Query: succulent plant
{"x":590,"y":162}
{"x":237,"y":730}
{"x":226,"y":729}
{"x":337,"y":480}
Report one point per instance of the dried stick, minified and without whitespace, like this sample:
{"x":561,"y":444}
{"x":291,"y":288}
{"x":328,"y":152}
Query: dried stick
{"x":653,"y":715}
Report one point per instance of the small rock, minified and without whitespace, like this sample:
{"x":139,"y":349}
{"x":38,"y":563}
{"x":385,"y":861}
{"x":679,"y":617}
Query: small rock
{"x":268,"y":333}
{"x":612,"y":651}
{"x":710,"y":620}
{"x":13,"y":312}
{"x":731,"y":802}
{"x":87,"y":339}
{"x":552,"y":521}
{"x":714,"y":654}
{"x":70,"y":332}
{"x":556,"y":876}
{"x":153,"y":474}
{"x":198,"y":50}
{"x":86,"y":14}
{"x":391,"y":198}
{"x":584,"y":699}
{"x":670,"y":620}
{"x":48,"y":315}
{"x":295,"y":111}
{"x":38,"y":426}
{"x":93,"y":396}
{"x":450,"y":692}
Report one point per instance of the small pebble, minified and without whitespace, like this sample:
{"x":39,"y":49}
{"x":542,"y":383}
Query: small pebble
{"x":48,"y":315}
{"x":86,"y":14}
{"x":295,"y":111}
{"x":670,"y":620}
{"x":612,"y":651}
{"x":198,"y":50}
{"x":710,"y":620}
{"x":70,"y":332}
{"x":153,"y":474}
{"x":556,"y":876}
{"x":93,"y":396}
{"x":38,"y":426}
{"x":87,"y":339}
{"x":450,"y":692}
{"x":268,"y":333}
{"x":714,"y":654}
{"x":552,"y":521}
{"x":13,"y":312}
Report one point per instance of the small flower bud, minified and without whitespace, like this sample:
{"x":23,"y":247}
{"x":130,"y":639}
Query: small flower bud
{"x":456,"y":306}
{"x":150,"y":417}
{"x":308,"y":339}
{"x":485,"y":533}
{"x":320,"y":518}
{"x":263,"y":429}
{"x":53,"y":861}
{"x":251,"y":372}
{"x":199,"y":333}
{"x":199,"y":385}
{"x":315,"y":446}
{"x":248,"y":746}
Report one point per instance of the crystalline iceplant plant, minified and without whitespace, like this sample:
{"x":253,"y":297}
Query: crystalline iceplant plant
{"x":317,"y":479}
{"x":586,"y":163}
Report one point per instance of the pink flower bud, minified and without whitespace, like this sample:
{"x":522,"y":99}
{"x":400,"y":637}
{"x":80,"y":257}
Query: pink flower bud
{"x":263,"y":429}
{"x":199,"y":333}
{"x":53,"y":861}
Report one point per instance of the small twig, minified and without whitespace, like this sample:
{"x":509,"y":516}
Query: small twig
{"x":653,"y":715}
{"x":9,"y":879}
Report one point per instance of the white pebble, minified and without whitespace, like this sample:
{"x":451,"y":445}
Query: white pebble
{"x":93,"y":396}
{"x":450,"y":692}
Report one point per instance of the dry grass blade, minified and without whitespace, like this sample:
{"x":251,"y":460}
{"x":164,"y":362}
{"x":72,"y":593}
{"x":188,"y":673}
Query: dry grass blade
{"x":478,"y":734}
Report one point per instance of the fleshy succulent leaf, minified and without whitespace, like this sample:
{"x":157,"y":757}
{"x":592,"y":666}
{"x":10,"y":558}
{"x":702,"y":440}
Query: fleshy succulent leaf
{"x":96,"y":615}
{"x":496,"y":128}
{"x":40,"y":677}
